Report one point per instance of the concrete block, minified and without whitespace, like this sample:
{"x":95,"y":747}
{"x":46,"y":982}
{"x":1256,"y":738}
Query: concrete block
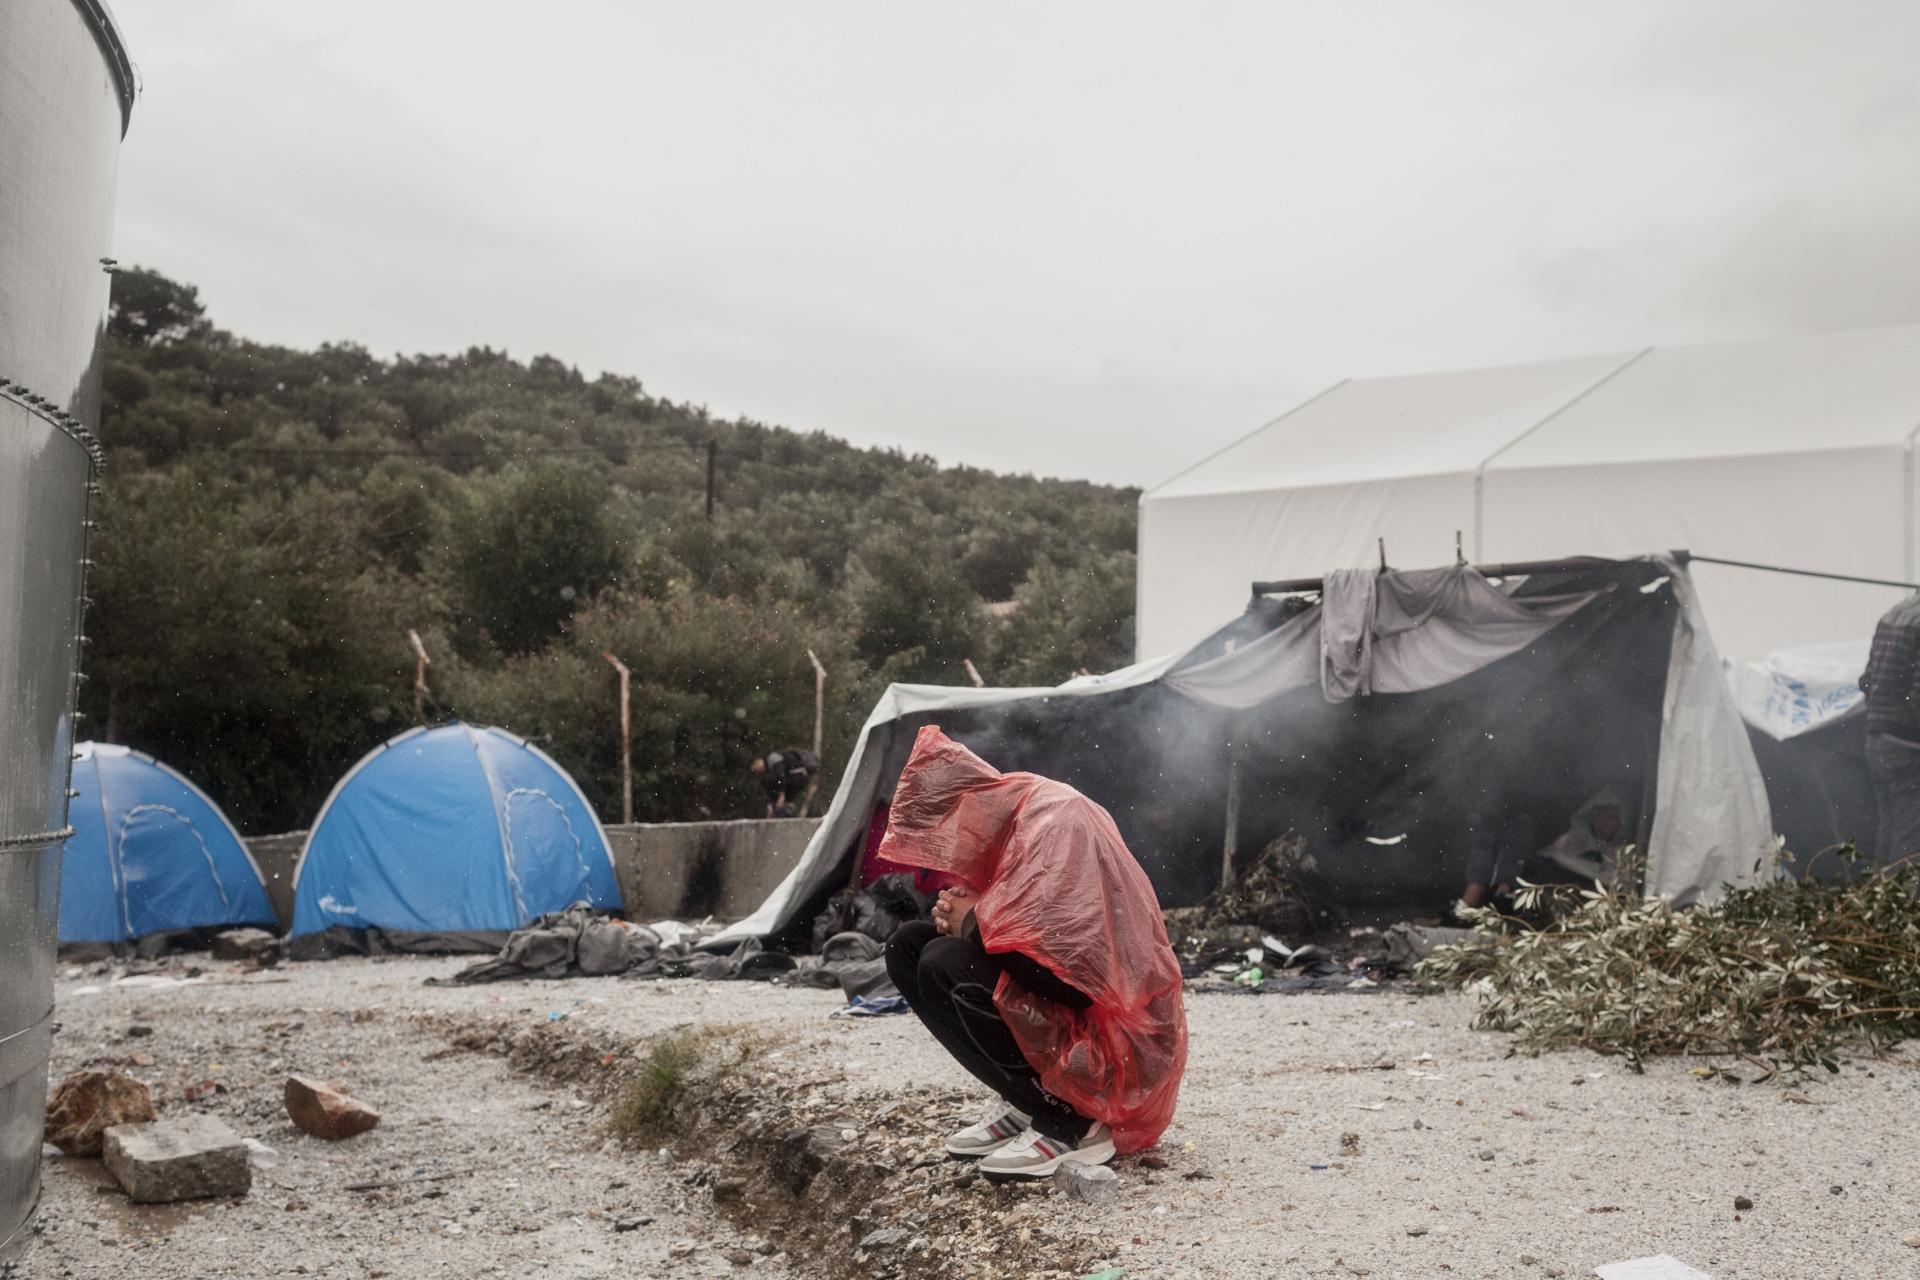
{"x":190,"y":1158}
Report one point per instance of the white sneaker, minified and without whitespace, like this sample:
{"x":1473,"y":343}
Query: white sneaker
{"x":1034,"y":1155}
{"x":991,"y":1134}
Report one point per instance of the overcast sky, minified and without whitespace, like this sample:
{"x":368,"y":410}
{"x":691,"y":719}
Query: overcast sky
{"x":1090,"y":240}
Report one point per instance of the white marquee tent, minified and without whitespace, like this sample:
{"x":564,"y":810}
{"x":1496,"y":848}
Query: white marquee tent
{"x":1795,"y":453}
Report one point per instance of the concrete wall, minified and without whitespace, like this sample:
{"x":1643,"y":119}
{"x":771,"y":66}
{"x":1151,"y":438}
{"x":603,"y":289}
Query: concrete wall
{"x":667,"y":871}
{"x":690,"y":870}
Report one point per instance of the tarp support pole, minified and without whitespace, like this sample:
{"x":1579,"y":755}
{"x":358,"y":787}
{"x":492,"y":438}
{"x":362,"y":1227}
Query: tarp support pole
{"x":1228,"y":845}
{"x":1906,"y":508}
{"x":1288,"y":586}
{"x":1807,"y":573}
{"x":1291,"y":585}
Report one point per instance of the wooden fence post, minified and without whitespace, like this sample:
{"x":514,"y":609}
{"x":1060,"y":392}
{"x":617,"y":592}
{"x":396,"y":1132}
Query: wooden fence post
{"x":819,"y":723}
{"x":626,"y":741}
{"x":421,"y":663}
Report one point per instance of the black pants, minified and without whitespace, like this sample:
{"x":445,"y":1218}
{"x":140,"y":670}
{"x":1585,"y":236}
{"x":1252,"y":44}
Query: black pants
{"x":949,"y":983}
{"x":1894,"y":764}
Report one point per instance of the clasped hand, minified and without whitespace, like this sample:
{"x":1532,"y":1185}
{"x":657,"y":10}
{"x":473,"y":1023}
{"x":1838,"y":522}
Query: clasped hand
{"x":950,"y":910}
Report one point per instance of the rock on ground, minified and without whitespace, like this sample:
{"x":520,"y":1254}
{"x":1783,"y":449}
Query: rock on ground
{"x":87,"y":1103}
{"x":255,"y":946}
{"x":191,"y":1158}
{"x":326,"y":1111}
{"x":1093,"y":1184}
{"x":804,"y":1152}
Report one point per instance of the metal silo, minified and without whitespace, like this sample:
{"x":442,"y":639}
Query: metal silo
{"x":66,"y":90}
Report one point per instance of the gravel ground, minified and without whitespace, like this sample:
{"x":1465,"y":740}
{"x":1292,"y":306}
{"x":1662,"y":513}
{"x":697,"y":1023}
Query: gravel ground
{"x":1295,"y":1153}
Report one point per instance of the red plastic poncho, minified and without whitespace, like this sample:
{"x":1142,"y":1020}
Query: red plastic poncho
{"x":1056,"y":883}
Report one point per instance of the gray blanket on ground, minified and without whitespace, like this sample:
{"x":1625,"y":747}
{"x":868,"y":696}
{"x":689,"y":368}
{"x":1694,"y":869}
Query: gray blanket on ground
{"x":560,"y":944}
{"x":851,"y":961}
{"x":581,"y":941}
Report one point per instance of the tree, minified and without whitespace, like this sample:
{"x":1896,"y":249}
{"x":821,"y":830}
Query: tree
{"x":147,"y":309}
{"x":244,"y":639}
{"x":997,"y":560}
{"x":1068,"y":620}
{"x":916,"y":613}
{"x":715,"y":682}
{"x":275,"y":520}
{"x":527,"y":549}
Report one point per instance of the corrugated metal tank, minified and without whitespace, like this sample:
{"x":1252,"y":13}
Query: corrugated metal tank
{"x":66,"y":89}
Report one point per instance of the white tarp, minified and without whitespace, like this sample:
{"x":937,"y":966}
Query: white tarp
{"x":846,"y":817}
{"x":1798,"y":690}
{"x":1712,"y":825}
{"x":1796,"y":453}
{"x":1422,"y":629}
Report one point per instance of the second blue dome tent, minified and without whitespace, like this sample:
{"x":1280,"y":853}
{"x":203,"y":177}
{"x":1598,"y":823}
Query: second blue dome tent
{"x":447,"y":839}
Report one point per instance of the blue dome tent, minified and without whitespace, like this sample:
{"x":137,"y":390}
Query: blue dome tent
{"x":150,"y":855}
{"x":447,"y":839}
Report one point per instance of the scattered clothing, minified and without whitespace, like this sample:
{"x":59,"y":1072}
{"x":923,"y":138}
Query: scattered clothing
{"x":875,"y":910}
{"x":856,"y":964}
{"x":878,"y":1007}
{"x":1347,"y":607}
{"x":746,"y":962}
{"x":851,"y":947}
{"x":1408,"y":944}
{"x":582,"y":942}
{"x":579,"y":940}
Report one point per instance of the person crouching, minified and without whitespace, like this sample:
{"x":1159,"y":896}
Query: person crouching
{"x":1047,"y":973}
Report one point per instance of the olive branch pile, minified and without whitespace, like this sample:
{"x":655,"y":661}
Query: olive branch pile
{"x":1785,"y":975}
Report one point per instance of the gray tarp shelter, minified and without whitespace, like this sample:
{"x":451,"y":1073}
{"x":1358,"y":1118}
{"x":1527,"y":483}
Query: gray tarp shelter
{"x":1368,"y":718}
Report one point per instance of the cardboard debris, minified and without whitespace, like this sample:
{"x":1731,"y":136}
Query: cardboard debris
{"x":1659,"y":1267}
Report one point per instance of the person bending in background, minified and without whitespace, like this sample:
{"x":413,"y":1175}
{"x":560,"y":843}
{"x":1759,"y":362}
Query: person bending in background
{"x":1891,"y":684}
{"x":1046,"y":973}
{"x":784,"y":776}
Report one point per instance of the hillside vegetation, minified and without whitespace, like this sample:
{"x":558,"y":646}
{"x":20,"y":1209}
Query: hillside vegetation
{"x":274,"y":522}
